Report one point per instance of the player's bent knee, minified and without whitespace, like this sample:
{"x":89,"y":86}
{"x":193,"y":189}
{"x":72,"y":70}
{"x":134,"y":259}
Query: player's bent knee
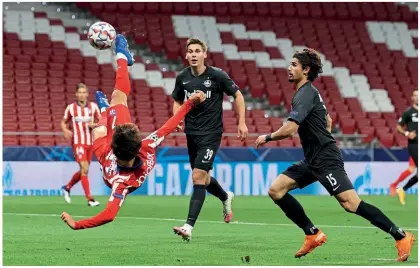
{"x":349,"y":206}
{"x":199,"y":176}
{"x":349,"y":200}
{"x":281,"y":186}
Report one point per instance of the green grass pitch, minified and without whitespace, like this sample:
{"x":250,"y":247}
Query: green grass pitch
{"x":33,"y":233}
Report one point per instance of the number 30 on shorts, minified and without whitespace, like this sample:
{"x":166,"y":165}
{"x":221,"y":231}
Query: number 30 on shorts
{"x":331,"y":179}
{"x":209,"y":154}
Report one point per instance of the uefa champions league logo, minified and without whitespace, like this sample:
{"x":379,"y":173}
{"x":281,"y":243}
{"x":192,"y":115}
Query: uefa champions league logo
{"x":363,"y":181}
{"x":7,"y":176}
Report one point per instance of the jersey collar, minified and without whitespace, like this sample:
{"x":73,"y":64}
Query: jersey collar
{"x":137,"y":164}
{"x":304,"y":85}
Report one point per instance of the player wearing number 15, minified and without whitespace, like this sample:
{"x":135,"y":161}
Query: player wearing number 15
{"x":323,"y":161}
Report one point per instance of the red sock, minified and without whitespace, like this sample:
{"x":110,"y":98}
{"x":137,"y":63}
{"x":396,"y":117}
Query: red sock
{"x":122,"y":81}
{"x":75,"y":179}
{"x":402,"y":177}
{"x":85,"y":185}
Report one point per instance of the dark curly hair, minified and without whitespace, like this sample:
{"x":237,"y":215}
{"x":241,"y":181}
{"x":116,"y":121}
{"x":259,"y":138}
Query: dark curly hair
{"x":126,"y":141}
{"x":309,"y":57}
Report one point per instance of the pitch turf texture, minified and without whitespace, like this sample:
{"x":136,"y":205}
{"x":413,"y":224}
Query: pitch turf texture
{"x":33,"y":233}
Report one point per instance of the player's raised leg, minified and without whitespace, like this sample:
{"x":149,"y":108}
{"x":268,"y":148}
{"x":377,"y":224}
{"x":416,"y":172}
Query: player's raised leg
{"x":122,"y":86}
{"x":122,"y":80}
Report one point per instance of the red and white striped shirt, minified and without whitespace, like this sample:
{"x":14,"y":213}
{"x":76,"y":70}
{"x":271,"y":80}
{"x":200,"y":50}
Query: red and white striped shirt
{"x":80,"y":118}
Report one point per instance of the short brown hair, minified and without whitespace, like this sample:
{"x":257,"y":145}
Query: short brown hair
{"x":309,"y":57}
{"x":126,"y":141}
{"x":81,"y":85}
{"x":196,"y":41}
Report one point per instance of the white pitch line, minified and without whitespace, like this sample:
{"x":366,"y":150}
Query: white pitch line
{"x":381,"y":259}
{"x":204,"y":221}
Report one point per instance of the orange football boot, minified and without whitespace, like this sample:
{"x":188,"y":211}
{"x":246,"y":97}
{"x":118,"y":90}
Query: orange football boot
{"x":310,"y":243}
{"x":404,"y":246}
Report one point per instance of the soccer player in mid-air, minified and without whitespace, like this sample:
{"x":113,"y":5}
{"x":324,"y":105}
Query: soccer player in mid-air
{"x":82,"y":114}
{"x":407,"y":126}
{"x":323,"y":161}
{"x":124,"y":157}
{"x":204,"y":128}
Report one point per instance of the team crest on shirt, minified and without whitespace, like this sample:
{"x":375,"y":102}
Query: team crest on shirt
{"x":113,"y":112}
{"x":207,"y":83}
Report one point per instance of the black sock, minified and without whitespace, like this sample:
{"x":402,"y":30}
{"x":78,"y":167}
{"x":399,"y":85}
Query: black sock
{"x":411,"y":182}
{"x":215,"y":189}
{"x":196,"y":203}
{"x":377,"y":218}
{"x":294,"y":211}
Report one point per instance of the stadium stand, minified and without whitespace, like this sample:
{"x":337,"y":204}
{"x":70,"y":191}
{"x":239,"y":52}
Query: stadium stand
{"x":369,"y":52}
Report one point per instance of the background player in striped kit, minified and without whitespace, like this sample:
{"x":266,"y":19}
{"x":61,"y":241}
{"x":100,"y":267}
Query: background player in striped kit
{"x":81,"y":114}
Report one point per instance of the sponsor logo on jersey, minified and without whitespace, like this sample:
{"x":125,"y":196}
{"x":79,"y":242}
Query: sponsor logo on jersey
{"x":150,"y":163}
{"x":188,"y":94}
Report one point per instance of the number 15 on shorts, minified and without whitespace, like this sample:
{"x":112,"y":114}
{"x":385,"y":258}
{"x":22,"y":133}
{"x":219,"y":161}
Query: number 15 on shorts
{"x":332,"y":180}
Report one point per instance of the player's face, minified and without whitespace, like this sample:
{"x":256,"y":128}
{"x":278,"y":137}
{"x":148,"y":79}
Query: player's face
{"x":82,"y":95}
{"x":195,"y":55}
{"x":414,"y":98}
{"x":295,"y":71}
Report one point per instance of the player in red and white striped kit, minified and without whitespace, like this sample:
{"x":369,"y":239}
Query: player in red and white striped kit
{"x":81,"y":114}
{"x":125,"y":158}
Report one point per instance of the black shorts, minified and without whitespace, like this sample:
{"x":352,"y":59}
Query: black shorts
{"x":412,"y":151}
{"x":202,"y":150}
{"x":327,"y":168}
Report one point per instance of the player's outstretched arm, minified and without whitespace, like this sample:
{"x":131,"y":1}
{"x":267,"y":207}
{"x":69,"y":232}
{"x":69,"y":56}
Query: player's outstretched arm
{"x":287,"y":130}
{"x":173,"y":122}
{"x":175,"y":108}
{"x":105,"y":216}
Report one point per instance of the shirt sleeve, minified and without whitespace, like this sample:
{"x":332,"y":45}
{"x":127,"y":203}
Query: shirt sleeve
{"x":302,"y":105}
{"x":67,"y":114}
{"x":178,"y":94}
{"x":159,"y":135}
{"x":403,"y":120}
{"x":227,"y":84}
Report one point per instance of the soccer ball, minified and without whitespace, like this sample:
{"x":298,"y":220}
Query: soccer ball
{"x":101,"y":35}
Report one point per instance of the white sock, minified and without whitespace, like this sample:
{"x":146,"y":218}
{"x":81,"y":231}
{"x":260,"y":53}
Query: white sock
{"x":121,"y":56}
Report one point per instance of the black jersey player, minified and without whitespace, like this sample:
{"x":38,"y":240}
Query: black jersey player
{"x":323,"y":161}
{"x":407,"y":126}
{"x":204,"y":128}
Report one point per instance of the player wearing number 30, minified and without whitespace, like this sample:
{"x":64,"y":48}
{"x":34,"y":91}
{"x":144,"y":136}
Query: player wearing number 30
{"x":323,"y":161}
{"x":124,"y":157}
